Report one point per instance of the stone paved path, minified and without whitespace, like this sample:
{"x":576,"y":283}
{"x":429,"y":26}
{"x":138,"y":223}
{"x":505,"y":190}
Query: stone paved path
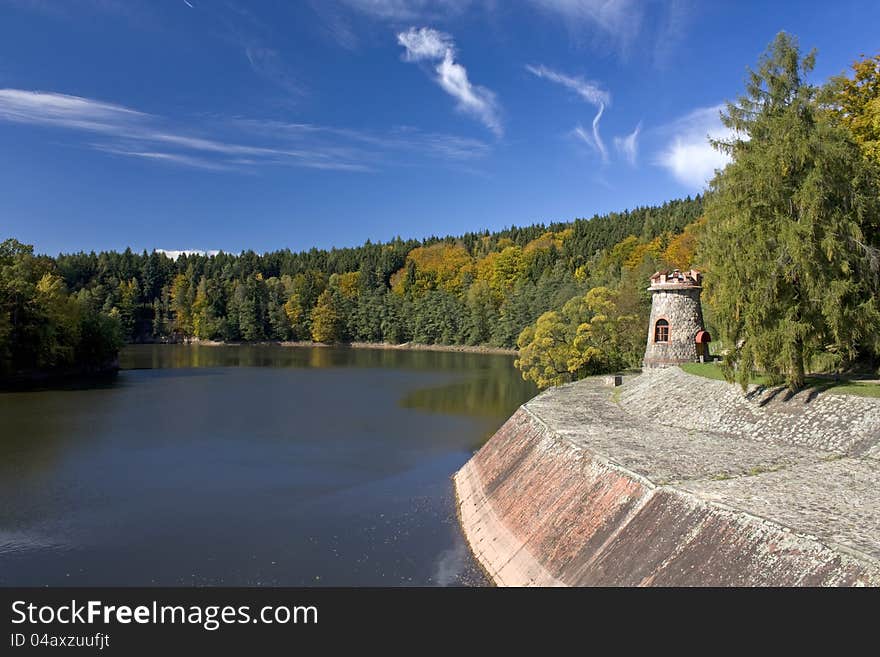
{"x":810,"y":462}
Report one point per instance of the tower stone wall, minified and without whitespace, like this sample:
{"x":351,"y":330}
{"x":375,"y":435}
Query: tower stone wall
{"x":675,"y":298}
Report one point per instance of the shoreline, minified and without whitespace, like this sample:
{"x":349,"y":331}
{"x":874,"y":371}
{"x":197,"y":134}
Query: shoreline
{"x":405,"y":346}
{"x":48,"y":378}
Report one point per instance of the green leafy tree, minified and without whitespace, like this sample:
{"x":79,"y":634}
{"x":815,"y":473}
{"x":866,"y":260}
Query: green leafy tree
{"x":601,"y":331}
{"x":161,"y":311}
{"x":100,"y":339}
{"x":790,"y":240}
{"x":545,"y":350}
{"x":42,"y":326}
{"x":59,"y":323}
{"x":612,"y":338}
{"x":127,"y":307}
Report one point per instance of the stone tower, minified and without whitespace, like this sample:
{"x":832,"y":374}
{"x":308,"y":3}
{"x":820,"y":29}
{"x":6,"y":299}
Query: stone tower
{"x":676,"y":333}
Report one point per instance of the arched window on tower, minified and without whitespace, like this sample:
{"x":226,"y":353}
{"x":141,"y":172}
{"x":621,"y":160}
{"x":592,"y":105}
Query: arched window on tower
{"x":661,"y":331}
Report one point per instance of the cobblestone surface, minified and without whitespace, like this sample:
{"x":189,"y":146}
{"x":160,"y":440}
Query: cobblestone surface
{"x":810,"y":462}
{"x":838,"y":423}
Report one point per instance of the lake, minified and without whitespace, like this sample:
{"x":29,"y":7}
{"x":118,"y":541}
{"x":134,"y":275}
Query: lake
{"x":249,"y":466}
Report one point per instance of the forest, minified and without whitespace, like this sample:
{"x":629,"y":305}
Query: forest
{"x":476,"y":289}
{"x":786,"y":234}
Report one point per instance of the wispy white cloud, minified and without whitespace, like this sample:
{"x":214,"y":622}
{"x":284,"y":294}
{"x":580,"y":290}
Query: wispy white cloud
{"x":404,"y":140}
{"x":179,"y":159}
{"x":598,"y":139}
{"x":409,"y":10}
{"x":628,"y":146}
{"x":426,"y":44}
{"x":339,"y":19}
{"x":128,"y":132}
{"x":688,"y":155}
{"x":592,"y":138}
{"x":618,"y":20}
{"x":590,"y":92}
{"x":20,"y":106}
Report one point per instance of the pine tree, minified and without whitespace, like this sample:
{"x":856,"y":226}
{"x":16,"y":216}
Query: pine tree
{"x":790,"y":270}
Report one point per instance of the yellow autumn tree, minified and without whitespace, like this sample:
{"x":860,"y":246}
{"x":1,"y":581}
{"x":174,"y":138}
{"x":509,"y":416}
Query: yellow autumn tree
{"x":594,"y":333}
{"x":857,"y":100}
{"x":637,"y":255}
{"x":347,"y":283}
{"x":441,"y":266}
{"x":61,"y":315}
{"x":681,"y":250}
{"x":501,"y":270}
{"x":181,"y":303}
{"x":326,"y":319}
{"x":545,"y":350}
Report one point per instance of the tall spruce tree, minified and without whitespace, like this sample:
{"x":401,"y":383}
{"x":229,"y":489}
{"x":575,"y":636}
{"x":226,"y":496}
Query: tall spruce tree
{"x":789,"y":251}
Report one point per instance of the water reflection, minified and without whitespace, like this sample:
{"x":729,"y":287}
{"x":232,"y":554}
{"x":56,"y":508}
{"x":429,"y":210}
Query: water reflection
{"x":188,"y":356}
{"x":485,"y":396}
{"x":248,"y":466}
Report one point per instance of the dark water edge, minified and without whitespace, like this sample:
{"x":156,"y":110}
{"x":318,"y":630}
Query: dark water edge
{"x":249,"y":465}
{"x":65,"y":377}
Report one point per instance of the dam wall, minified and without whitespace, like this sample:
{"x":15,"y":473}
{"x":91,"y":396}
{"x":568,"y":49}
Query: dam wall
{"x":589,"y":486}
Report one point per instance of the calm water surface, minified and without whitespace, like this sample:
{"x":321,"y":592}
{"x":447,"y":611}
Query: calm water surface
{"x":251,"y":465}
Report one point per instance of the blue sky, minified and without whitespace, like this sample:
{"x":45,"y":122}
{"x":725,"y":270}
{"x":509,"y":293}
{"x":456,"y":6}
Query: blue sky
{"x":197,"y":124}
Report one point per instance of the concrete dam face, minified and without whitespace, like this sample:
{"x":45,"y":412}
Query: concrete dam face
{"x":675,"y":480}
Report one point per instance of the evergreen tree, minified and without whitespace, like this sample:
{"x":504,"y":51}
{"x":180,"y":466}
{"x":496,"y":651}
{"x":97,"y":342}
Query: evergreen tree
{"x":481,"y":313}
{"x":791,"y":268}
{"x":252,"y":301}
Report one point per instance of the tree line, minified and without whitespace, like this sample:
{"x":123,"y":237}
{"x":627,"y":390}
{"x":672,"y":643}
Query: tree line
{"x":479,"y":288}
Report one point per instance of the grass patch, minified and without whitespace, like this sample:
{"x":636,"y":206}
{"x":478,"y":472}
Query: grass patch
{"x":713,"y":371}
{"x":706,"y":370}
{"x":841,"y":387}
{"x":858,"y":388}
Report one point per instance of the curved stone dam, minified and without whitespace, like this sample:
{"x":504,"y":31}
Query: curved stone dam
{"x":677,"y":480}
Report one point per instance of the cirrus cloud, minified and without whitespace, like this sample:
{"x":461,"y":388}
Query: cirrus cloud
{"x":591,"y":92}
{"x":629,"y":145}
{"x":237,"y":144}
{"x":426,"y":44}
